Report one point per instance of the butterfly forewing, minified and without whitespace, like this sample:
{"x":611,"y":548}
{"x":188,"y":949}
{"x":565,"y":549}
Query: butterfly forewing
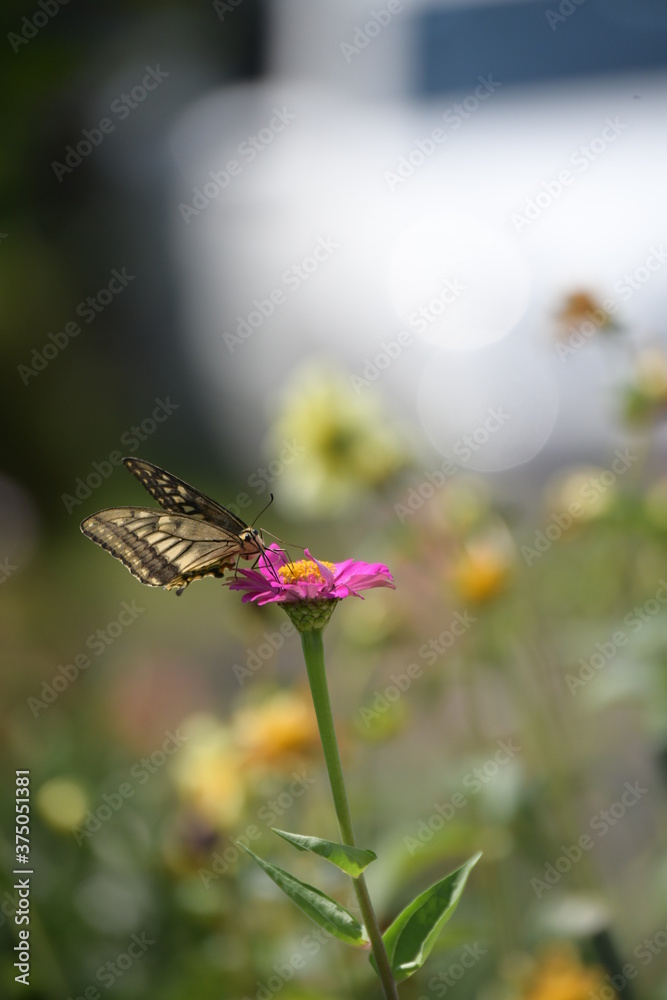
{"x":179,"y":498}
{"x":196,"y":537}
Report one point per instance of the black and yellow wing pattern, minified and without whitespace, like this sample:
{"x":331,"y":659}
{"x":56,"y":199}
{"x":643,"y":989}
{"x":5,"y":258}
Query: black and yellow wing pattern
{"x":191,"y":537}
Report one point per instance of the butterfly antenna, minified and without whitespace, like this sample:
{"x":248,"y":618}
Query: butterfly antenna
{"x":266,"y":532}
{"x":266,"y":507}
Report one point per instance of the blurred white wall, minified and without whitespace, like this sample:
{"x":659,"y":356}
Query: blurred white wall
{"x":341,"y":208}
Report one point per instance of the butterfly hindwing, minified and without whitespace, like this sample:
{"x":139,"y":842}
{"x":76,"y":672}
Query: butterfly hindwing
{"x":191,"y":537}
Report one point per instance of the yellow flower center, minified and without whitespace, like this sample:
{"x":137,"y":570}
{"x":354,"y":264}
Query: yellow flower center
{"x":303,"y":571}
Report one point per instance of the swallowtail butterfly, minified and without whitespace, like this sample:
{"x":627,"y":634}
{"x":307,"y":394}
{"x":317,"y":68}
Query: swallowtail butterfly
{"x":190,"y":538}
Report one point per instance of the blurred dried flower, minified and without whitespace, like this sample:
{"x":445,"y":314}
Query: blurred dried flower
{"x":582,"y":312}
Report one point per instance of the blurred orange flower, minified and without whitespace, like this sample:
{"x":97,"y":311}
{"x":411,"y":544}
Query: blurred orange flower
{"x":481,"y":573}
{"x":560,"y":975}
{"x":282,"y":726}
{"x":484,"y":567}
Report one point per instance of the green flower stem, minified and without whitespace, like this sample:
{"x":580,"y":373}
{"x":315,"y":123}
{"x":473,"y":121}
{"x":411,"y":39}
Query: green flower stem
{"x":313,"y":651}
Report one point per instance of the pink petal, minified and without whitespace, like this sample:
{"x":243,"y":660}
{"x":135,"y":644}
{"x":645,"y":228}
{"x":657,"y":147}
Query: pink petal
{"x":328,"y":575}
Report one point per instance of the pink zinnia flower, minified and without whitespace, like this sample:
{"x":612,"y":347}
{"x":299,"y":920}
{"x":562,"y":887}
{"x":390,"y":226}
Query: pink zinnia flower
{"x":309,"y":579}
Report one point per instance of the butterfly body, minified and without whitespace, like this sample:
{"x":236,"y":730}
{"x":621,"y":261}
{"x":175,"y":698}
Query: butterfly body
{"x":190,"y":538}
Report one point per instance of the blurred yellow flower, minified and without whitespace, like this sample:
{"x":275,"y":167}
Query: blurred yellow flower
{"x":560,"y":975}
{"x":208,"y":772}
{"x":464,"y":504}
{"x":213,"y":772}
{"x":582,"y":492}
{"x":281,"y":727}
{"x":62,"y":803}
{"x":656,"y":503}
{"x":348,"y":446}
{"x":651,"y":374}
{"x":646,"y":396}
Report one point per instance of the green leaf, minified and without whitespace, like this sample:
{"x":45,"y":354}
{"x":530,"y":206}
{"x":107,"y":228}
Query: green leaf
{"x":351,"y":860}
{"x":325,"y":911}
{"x":412,"y":935}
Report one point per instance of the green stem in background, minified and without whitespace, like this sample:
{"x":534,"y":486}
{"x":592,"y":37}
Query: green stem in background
{"x":313,"y":651}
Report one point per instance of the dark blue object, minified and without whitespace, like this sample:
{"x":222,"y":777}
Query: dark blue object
{"x":543,"y":40}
